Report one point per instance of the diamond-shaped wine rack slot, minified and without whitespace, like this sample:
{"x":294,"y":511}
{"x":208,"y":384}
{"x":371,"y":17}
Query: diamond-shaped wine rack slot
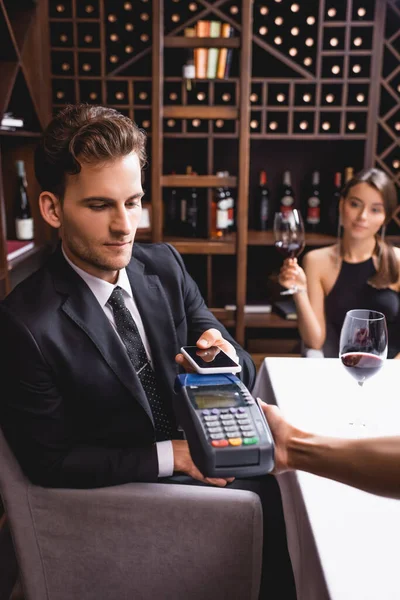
{"x":392,"y":162}
{"x":181,"y":14}
{"x":289,"y":31}
{"x":393,"y":82}
{"x":177,"y":17}
{"x":385,"y":139}
{"x":128,"y":28}
{"x":387,"y":154}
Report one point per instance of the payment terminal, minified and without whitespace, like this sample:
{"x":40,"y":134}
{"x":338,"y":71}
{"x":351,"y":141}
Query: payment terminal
{"x":227,"y":433}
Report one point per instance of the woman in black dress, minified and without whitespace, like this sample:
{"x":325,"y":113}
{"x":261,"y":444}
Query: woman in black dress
{"x":361,"y":271}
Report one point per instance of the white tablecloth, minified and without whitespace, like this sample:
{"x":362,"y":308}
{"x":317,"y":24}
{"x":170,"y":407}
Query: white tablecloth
{"x":344,"y":543}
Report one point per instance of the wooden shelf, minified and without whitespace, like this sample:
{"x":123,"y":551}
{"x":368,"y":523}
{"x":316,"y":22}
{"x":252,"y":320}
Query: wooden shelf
{"x":143,"y":236}
{"x":197,"y":181}
{"x":19,"y":260}
{"x":393,"y":239}
{"x":266,"y":238}
{"x":20,"y":133}
{"x":200,"y":112}
{"x":203,"y":246}
{"x":201,"y":42}
{"x":269,"y":321}
{"x":227,"y":317}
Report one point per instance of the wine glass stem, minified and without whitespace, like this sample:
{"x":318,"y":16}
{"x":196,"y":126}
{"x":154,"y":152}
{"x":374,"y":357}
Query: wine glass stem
{"x":357,"y":406}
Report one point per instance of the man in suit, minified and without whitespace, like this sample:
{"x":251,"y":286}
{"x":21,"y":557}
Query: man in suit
{"x":92,"y":339}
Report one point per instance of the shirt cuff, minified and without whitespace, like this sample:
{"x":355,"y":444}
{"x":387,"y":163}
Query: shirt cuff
{"x":165,"y":455}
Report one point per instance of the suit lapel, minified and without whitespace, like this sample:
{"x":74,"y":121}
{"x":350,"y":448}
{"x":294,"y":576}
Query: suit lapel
{"x":157,"y":318}
{"x":82,"y":307}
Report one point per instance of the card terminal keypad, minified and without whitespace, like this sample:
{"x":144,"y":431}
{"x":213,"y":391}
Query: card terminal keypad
{"x":230,"y":426}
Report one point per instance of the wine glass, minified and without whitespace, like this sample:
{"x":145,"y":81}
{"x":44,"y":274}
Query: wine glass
{"x":289,"y":237}
{"x":363,"y":345}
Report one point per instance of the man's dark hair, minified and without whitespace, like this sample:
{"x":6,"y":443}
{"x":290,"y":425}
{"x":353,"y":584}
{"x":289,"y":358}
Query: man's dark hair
{"x":83,"y":133}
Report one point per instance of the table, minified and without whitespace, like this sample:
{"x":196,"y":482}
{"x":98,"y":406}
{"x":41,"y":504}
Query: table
{"x":344,"y":543}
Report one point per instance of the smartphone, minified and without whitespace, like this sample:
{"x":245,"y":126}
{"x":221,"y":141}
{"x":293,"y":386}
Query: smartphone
{"x":210,"y":360}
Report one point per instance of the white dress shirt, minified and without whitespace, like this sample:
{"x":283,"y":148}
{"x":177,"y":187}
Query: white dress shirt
{"x":102,"y":290}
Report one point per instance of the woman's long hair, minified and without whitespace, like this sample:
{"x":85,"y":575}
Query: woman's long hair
{"x":388,"y":268}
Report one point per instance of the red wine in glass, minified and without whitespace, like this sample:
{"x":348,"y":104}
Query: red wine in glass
{"x":289,"y":250}
{"x":361,"y":365}
{"x":289,"y":237}
{"x":362,"y":350}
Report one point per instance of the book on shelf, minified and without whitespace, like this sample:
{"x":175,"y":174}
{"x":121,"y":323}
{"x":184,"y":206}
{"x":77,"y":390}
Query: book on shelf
{"x":286,"y":308}
{"x":16,"y":248}
{"x":201,"y":54}
{"x":229,"y":56}
{"x":212,"y":59}
{"x":252,"y":309}
{"x":226,"y":32}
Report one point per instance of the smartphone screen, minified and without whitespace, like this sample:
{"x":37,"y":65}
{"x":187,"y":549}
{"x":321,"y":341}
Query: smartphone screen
{"x":210,"y":358}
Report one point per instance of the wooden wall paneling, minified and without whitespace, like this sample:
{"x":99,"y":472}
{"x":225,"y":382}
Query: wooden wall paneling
{"x":24,"y":90}
{"x":157,"y":118}
{"x":243,"y":168}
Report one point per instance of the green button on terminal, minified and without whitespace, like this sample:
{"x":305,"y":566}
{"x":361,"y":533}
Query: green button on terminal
{"x":248,"y":441}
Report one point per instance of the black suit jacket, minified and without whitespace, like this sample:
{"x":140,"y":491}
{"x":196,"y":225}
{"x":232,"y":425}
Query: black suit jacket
{"x":75,"y":414}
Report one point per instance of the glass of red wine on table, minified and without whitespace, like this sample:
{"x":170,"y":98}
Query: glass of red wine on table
{"x":363,"y":345}
{"x":289,"y":237}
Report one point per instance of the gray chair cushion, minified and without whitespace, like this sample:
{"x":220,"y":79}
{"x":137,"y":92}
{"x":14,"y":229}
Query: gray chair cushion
{"x":134,"y":541}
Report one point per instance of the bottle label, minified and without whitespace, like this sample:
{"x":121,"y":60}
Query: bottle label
{"x":313,"y":211}
{"x":189,"y":71}
{"x":264,"y":211}
{"x":222,"y":219}
{"x":191,"y":214}
{"x":183,"y":210}
{"x":24,"y":229}
{"x":287,"y":200}
{"x":144,"y":222}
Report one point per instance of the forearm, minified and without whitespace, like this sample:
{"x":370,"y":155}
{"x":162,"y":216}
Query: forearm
{"x":370,"y":464}
{"x":309,"y":327}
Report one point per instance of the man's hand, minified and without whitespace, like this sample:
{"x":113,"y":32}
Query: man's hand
{"x":183,"y":463}
{"x":211,"y":337}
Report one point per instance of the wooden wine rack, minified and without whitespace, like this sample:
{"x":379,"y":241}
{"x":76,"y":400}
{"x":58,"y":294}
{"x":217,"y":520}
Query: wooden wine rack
{"x":302,"y":92}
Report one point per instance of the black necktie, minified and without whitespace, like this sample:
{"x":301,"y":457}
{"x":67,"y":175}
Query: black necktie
{"x":130,"y":335}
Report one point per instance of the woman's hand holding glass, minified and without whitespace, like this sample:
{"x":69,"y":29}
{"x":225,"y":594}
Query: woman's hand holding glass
{"x":292,"y":275}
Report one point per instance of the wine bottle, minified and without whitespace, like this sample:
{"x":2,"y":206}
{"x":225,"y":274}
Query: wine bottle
{"x":189,"y":209}
{"x":219,"y":214}
{"x":188,"y":69}
{"x":313,"y":207}
{"x":230,"y":206}
{"x":192,"y":213}
{"x":23,"y":217}
{"x":333,"y":210}
{"x":262,"y":203}
{"x":286,"y":194}
{"x":172,"y":220}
